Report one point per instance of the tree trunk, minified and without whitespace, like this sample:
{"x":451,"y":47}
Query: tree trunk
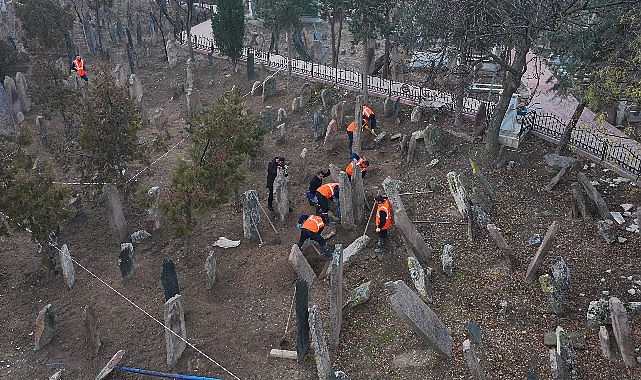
{"x":190,"y":7}
{"x":288,"y":34}
{"x":369,"y":47}
{"x":562,"y":148}
{"x":340,"y":34}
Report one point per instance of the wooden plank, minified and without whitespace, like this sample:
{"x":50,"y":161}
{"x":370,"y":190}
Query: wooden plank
{"x":284,"y":354}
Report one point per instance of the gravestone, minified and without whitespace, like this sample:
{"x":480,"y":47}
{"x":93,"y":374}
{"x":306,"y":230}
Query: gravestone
{"x":621,"y":329}
{"x":326,"y":97}
{"x":416,"y":115}
{"x":174,"y":321}
{"x":210,"y":267}
{"x":608,"y":346}
{"x":67,"y":266}
{"x":346,"y":215}
{"x":558,"y":366}
{"x":336,"y":296}
{"x":269,"y":118}
{"x":23,"y":95}
{"x":13,"y":99}
{"x":41,"y":126}
{"x":302,"y":319}
{"x":599,"y":312}
{"x":111,"y":364}
{"x":447,"y":259}
{"x":115,"y":214}
{"x":154,"y":215}
{"x":282,"y":115}
{"x":472,"y":361}
{"x":421,"y":319}
{"x":388,"y":107}
{"x":305,"y":94}
{"x":301,"y":266}
{"x":46,"y":326}
{"x":497,"y":236}
{"x":357,"y":296}
{"x":593,"y":193}
{"x":481,"y":200}
{"x":169,"y":279}
{"x":126,"y":260}
{"x":458,"y":192}
{"x":433,"y":138}
{"x":91,"y":328}
{"x":296,"y":104}
{"x":269,"y":87}
{"x":560,"y":272}
{"x":354,"y":248}
{"x":135,"y":89}
{"x":475,"y":331}
{"x":411,"y":236}
{"x":120,"y":75}
{"x":317,"y":124}
{"x":543,"y":249}
{"x":421,"y":282}
{"x":605,"y":229}
{"x":251,"y":214}
{"x":555,"y":294}
{"x":7,"y":125}
{"x":138,"y":236}
{"x":321,"y":353}
{"x":338,"y":112}
{"x":172,"y":54}
{"x":281,"y":198}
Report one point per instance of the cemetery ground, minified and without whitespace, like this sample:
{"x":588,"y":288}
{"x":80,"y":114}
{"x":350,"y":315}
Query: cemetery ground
{"x":247,"y":311}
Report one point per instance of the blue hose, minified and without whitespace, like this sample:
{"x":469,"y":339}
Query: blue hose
{"x":160,"y":374}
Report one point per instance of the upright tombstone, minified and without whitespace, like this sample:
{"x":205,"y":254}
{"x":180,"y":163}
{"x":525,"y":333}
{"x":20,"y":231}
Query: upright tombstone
{"x":14,"y":101}
{"x":281,"y":198}
{"x":135,"y":89}
{"x":269,"y":87}
{"x":420,"y":317}
{"x":126,"y":260}
{"x":560,"y":272}
{"x":269,"y":118}
{"x":115,"y":213}
{"x":7,"y":125}
{"x":555,"y":294}
{"x":472,"y":361}
{"x":250,"y":65}
{"x":210,"y":268}
{"x":593,"y":193}
{"x":152,"y":29}
{"x":176,"y":338}
{"x":338,"y":113}
{"x":317,"y":124}
{"x":447,"y":259}
{"x":458,"y":192}
{"x":302,"y":319}
{"x":23,"y":95}
{"x":326,"y":97}
{"x":301,"y":266}
{"x":172,"y":54}
{"x":41,"y":125}
{"x":336,"y":296}
{"x":358,"y":112}
{"x":91,"y":328}
{"x":543,"y":249}
{"x":323,"y":362}
{"x":251,"y":214}
{"x":408,"y":230}
{"x":46,"y":326}
{"x":621,"y":329}
{"x":388,"y":107}
{"x":358,"y":197}
{"x":421,"y":282}
{"x":305,"y":93}
{"x":169,"y":279}
{"x":120,"y":75}
{"x":345,"y":200}
{"x":67,"y":266}
{"x":282,"y":115}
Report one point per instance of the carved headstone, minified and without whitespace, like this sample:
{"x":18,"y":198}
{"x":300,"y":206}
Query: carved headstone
{"x":497,"y":236}
{"x":301,"y":266}
{"x":555,"y":294}
{"x":67,"y":266}
{"x":326,"y":97}
{"x":388,"y":107}
{"x":126,"y":260}
{"x":46,"y":326}
{"x":296,"y":104}
{"x":593,"y":193}
{"x":23,"y":95}
{"x":175,"y":321}
{"x":336,"y":296}
{"x":120,"y":75}
{"x":323,"y":362}
{"x":251,"y":214}
{"x":91,"y":328}
{"x":268,"y":115}
{"x":210,"y":267}
{"x":305,"y":94}
{"x":560,"y":272}
{"x":257,"y":86}
{"x":458,"y":192}
{"x":420,"y":317}
{"x":115,"y":213}
{"x":169,"y":279}
{"x":302,"y":319}
{"x":353,"y":249}
{"x":447,"y":259}
{"x":269,"y":87}
{"x":621,"y":329}
{"x":317,"y":124}
{"x":421,"y":282}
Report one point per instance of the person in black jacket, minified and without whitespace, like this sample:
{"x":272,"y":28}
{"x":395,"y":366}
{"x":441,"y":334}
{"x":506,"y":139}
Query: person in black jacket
{"x":272,"y":172}
{"x":314,"y":184}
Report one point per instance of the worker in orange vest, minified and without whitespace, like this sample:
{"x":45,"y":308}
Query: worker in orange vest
{"x":383,"y":222}
{"x":78,"y":65}
{"x":324,"y":194}
{"x":360,"y":162}
{"x":368,"y":122}
{"x":311,"y":227}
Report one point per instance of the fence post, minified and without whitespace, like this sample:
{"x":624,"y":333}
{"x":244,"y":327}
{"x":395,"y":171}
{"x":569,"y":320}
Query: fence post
{"x":605,"y":148}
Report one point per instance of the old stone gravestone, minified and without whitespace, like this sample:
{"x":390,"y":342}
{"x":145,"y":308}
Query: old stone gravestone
{"x":169,"y":279}
{"x":115,"y":213}
{"x":210,"y":267}
{"x":560,"y":272}
{"x":23,"y":95}
{"x":545,"y":246}
{"x":421,"y":282}
{"x":172,"y":54}
{"x":621,"y":329}
{"x":67,"y":266}
{"x":323,"y":361}
{"x":126,"y":260}
{"x":555,"y":294}
{"x":336,"y":296}
{"x":302,"y":319}
{"x":269,"y":87}
{"x":301,"y":266}
{"x":135,"y":88}
{"x":326,"y":97}
{"x":251,"y":214}
{"x":357,"y":296}
{"x":472,"y":361}
{"x":447,"y":259}
{"x":46,"y":326}
{"x":7,"y":124}
{"x":176,"y":338}
{"x":91,"y":328}
{"x":317,"y":124}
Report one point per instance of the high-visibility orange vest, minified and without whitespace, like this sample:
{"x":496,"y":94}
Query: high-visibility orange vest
{"x":359,"y":163}
{"x":367,"y":112}
{"x":79,"y":66}
{"x":327,"y":190}
{"x":313,"y":223}
{"x":350,"y":127}
{"x":384,"y":207}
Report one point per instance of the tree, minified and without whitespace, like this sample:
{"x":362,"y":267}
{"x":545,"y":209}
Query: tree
{"x":222,"y":137}
{"x":107,"y":140}
{"x":333,"y":11}
{"x":45,"y":23}
{"x":29,"y":199}
{"x":228,"y":27}
{"x":9,"y":59}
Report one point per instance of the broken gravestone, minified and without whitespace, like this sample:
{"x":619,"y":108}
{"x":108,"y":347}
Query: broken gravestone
{"x":323,"y":362}
{"x":126,"y":260}
{"x":175,"y":333}
{"x":46,"y":326}
{"x":357,"y":296}
{"x":421,"y":282}
{"x":169,"y":279}
{"x":67,"y":266}
{"x":91,"y":328}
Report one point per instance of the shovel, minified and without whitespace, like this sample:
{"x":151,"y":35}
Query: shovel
{"x":262,"y":243}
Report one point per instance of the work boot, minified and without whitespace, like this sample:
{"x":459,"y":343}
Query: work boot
{"x":380,"y":247}
{"x":327,"y":252}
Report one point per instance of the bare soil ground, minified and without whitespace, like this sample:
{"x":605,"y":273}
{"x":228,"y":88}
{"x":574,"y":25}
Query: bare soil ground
{"x":245,"y":313}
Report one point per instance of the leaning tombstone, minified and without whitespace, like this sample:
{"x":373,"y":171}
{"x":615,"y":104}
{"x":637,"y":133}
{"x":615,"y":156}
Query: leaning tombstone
{"x":354,"y":248}
{"x":169,"y":279}
{"x":542,"y":251}
{"x":7,"y":124}
{"x":472,"y":361}
{"x":302,"y":319}
{"x":91,"y":328}
{"x":621,"y":329}
{"x":421,"y":282}
{"x":336,"y":296}
{"x":608,"y":347}
{"x":67,"y":266}
{"x":357,"y":296}
{"x":323,"y":362}
{"x":420,"y":317}
{"x":126,"y":260}
{"x":115,"y":213}
{"x":46,"y":326}
{"x":301,"y":266}
{"x":458,"y":192}
{"x":111,"y":364}
{"x":317,"y":124}
{"x":210,"y":267}
{"x":175,"y":332}
{"x":251,"y":213}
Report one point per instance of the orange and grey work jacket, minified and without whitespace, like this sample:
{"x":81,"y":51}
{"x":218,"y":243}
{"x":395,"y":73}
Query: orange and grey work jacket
{"x":314,"y":223}
{"x":367,"y":112}
{"x":79,"y":66}
{"x":383,"y":207}
{"x":327,"y":190}
{"x":360,"y":165}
